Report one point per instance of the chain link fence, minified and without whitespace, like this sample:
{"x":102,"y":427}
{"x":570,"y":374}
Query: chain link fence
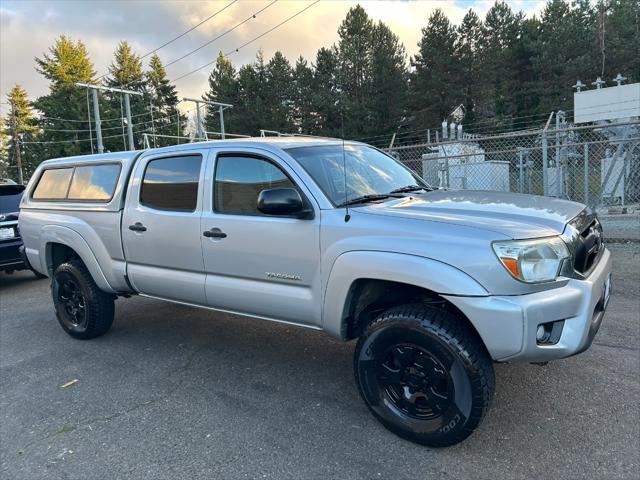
{"x":598,"y":165}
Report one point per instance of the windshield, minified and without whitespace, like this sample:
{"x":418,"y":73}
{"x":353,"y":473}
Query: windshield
{"x":10,"y":196}
{"x":369,"y":171}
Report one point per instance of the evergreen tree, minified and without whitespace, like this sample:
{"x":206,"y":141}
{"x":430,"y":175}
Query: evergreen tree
{"x":252,"y":113}
{"x":21,"y":124}
{"x":325,"y":97}
{"x":167,"y":119}
{"x":466,"y":48}
{"x":500,"y":31}
{"x":126,"y":69}
{"x":223,"y":87}
{"x":526,"y":95}
{"x":249,"y":113}
{"x":65,"y":121}
{"x":388,"y":79}
{"x":565,"y":51}
{"x":622,"y":39}
{"x":354,"y":79}
{"x":66,"y":63}
{"x":434,"y":85}
{"x":302,"y":97}
{"x":126,"y":72}
{"x":279,"y":92}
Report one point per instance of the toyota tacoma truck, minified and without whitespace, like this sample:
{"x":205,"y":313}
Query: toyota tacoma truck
{"x":434,"y":285}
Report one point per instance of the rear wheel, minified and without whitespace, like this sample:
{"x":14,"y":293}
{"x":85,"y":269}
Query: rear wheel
{"x":83,"y":310}
{"x":424,"y":374}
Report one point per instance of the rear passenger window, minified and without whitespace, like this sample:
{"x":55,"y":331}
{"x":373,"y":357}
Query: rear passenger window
{"x":171,"y":183}
{"x":53,"y":184}
{"x":239,"y":181}
{"x":94,"y":182}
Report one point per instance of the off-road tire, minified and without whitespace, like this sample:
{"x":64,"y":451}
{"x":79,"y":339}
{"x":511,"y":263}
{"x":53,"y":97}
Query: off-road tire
{"x":93,"y":312}
{"x":440,"y":398}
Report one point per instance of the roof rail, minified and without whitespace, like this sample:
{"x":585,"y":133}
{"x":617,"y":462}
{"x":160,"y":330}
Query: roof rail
{"x":264,"y":133}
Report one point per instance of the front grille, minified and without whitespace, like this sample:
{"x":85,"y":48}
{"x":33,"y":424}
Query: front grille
{"x":587,"y":247}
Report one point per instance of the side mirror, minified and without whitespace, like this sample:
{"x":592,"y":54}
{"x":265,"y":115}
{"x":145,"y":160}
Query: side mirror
{"x":282,"y":201}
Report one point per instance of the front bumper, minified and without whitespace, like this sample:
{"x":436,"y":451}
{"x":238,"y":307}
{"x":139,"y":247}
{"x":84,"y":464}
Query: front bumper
{"x":508,"y":324}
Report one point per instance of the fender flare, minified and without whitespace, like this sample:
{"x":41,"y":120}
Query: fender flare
{"x":72,"y":239}
{"x":423,"y":272}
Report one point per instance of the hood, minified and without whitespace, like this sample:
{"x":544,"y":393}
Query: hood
{"x":512,"y":214}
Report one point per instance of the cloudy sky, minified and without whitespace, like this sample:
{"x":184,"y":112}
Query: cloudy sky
{"x":29,"y":28}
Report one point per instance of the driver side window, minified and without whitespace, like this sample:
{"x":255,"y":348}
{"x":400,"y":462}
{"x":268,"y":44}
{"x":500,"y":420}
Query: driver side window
{"x":240,"y":179}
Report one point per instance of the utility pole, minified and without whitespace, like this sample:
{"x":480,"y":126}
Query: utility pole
{"x":96,"y":111}
{"x":221,"y":109}
{"x":127,"y":107}
{"x":96,"y":117}
{"x":16,"y":143}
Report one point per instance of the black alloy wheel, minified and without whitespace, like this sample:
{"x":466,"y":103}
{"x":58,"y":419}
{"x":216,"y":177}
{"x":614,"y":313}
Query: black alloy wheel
{"x":83,"y":310}
{"x":424,"y":374}
{"x":70,"y":296}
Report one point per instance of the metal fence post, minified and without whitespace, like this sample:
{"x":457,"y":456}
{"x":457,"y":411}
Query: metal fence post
{"x":521,"y":168}
{"x":529,"y":165}
{"x":586,"y":174}
{"x":545,"y":156}
{"x":558,"y":162}
{"x":545,"y":163}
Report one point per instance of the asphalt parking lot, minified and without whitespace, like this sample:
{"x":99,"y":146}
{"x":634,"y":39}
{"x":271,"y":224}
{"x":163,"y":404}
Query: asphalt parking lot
{"x":176,"y":392}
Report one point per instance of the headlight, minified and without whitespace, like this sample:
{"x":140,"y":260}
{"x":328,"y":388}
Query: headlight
{"x":532,"y":261}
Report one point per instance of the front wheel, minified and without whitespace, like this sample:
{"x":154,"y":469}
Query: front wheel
{"x":83,"y":310}
{"x":424,"y":374}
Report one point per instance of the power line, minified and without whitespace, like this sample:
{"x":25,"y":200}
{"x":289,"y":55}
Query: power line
{"x":181,"y":35}
{"x":221,"y":35}
{"x":71,"y":120}
{"x":506,"y":124}
{"x":188,"y":31}
{"x":247,"y":43}
{"x":55,"y":142}
{"x":271,"y":29}
{"x":118,"y":127}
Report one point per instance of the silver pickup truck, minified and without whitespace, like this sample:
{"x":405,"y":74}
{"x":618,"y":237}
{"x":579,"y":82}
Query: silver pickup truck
{"x":435,"y":285}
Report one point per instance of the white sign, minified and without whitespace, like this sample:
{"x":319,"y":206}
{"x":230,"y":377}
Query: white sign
{"x":612,"y":103}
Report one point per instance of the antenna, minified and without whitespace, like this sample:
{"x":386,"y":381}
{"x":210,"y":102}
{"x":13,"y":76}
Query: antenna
{"x":347,"y":217}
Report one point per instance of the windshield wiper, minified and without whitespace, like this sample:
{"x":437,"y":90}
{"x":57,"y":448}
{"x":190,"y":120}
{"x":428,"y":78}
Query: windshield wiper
{"x":409,"y":188}
{"x":365,"y":198}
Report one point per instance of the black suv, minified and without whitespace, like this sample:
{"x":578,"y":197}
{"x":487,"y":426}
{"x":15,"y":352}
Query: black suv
{"x":10,"y":241}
